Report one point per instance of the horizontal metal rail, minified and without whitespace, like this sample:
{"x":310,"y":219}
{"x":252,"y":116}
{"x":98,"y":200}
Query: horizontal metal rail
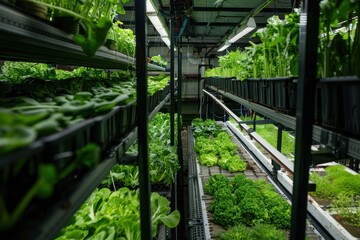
{"x":353,"y":145}
{"x":276,"y":155}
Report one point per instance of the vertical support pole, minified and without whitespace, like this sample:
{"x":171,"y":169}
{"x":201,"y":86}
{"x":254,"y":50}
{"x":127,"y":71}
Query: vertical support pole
{"x":178,"y":199}
{"x":199,"y":99}
{"x":172,"y":71}
{"x":308,"y":42}
{"x":254,"y":122}
{"x":142,"y":118}
{"x":179,"y":93}
{"x":279,"y":137}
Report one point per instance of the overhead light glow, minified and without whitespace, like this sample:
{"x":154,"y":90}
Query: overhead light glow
{"x":166,"y":40}
{"x":150,"y":8}
{"x":158,"y":22}
{"x":225,"y":45}
{"x":159,"y":25}
{"x":242,"y":31}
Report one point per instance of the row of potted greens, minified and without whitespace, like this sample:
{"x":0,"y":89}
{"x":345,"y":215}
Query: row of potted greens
{"x":116,"y":215}
{"x":277,"y":54}
{"x":215,"y":146}
{"x":339,"y":190}
{"x":94,"y":17}
{"x":269,"y":133}
{"x":242,"y":204}
{"x":162,"y":157}
{"x":33,"y":108}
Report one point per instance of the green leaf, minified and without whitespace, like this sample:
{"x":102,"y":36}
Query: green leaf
{"x":95,"y":35}
{"x":171,"y":220}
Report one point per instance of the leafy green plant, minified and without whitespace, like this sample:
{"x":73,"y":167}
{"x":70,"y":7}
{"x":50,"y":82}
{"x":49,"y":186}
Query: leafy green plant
{"x":335,"y":182}
{"x":204,"y":128}
{"x":215,"y":146}
{"x":163,"y":158}
{"x":259,"y":231}
{"x":157,"y":59}
{"x":347,"y":206}
{"x":116,"y":215}
{"x":216,"y":182}
{"x":246,"y":201}
{"x":339,"y":49}
{"x":125,"y":39}
{"x":275,"y":56}
{"x":95,"y":16}
{"x":157,"y":83}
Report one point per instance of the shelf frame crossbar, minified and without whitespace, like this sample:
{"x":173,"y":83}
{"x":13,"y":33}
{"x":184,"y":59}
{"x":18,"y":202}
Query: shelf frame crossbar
{"x":276,"y":155}
{"x":353,"y":145}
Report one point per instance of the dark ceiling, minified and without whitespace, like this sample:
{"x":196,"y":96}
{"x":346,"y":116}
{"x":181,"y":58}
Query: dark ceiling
{"x":203,"y":24}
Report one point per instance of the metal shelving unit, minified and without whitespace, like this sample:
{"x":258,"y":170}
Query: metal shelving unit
{"x":338,"y":145}
{"x":57,"y":216}
{"x":25,"y":38}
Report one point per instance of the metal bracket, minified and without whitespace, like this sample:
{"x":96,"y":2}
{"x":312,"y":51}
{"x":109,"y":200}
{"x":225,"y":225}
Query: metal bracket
{"x":194,"y":222}
{"x":276,"y":167}
{"x":336,"y":143}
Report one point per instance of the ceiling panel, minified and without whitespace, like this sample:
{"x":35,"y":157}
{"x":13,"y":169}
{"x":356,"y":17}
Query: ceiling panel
{"x":207,"y":23}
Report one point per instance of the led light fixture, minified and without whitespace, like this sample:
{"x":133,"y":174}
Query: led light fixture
{"x":224,"y":46}
{"x":166,"y":40}
{"x":242,"y":31}
{"x":238,"y":33}
{"x":150,"y":8}
{"x":159,"y":25}
{"x":158,"y":22}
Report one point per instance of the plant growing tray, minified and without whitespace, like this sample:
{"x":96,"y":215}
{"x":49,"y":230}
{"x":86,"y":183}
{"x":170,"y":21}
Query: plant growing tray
{"x":106,"y":129}
{"x":60,"y":148}
{"x":253,"y":87}
{"x":317,"y":211}
{"x":340,"y":104}
{"x":282,"y":94}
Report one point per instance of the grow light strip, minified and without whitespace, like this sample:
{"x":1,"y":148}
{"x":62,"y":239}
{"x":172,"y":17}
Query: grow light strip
{"x":158,"y":22}
{"x":242,"y":31}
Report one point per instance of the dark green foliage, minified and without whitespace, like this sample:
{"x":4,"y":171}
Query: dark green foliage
{"x":257,"y":232}
{"x":225,"y":212}
{"x":162,"y":157}
{"x":215,"y":146}
{"x":205,"y":128}
{"x":216,"y":182}
{"x":336,"y":181}
{"x":256,"y":201}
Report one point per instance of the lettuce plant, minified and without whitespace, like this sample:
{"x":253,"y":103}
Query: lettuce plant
{"x":116,"y":215}
{"x":215,"y":146}
{"x":246,"y":201}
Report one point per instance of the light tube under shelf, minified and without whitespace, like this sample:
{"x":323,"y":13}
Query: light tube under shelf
{"x":225,"y":45}
{"x":242,"y":31}
{"x":150,"y":8}
{"x":159,"y":25}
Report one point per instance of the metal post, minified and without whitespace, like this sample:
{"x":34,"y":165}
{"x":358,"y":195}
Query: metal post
{"x":199,"y":99}
{"x":179,"y":93}
{"x":279,"y":137}
{"x":142,"y":119}
{"x":254,"y":122}
{"x":308,"y":42}
{"x":179,"y":196}
{"x":172,"y":71}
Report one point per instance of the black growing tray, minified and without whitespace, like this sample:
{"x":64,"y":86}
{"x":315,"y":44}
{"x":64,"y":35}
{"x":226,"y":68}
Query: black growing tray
{"x":339,"y":100}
